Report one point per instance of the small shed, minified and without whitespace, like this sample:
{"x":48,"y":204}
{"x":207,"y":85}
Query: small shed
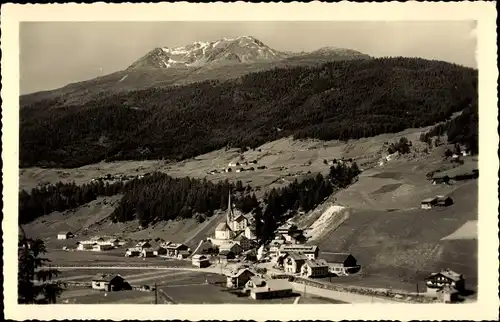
{"x":444,"y":201}
{"x":428,"y":203}
{"x":109,"y":282}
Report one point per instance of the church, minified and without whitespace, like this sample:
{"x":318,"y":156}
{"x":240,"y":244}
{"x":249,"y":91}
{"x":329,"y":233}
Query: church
{"x":236,"y":224}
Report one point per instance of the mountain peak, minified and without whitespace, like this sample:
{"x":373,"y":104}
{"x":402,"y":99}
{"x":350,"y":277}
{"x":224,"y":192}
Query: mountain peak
{"x":244,"y":49}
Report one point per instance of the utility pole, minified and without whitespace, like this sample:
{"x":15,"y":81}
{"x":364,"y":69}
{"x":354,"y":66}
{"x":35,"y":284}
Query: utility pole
{"x":156,"y":294}
{"x":417,"y":290}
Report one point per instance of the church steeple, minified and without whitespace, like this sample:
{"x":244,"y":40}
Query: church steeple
{"x":229,"y":217}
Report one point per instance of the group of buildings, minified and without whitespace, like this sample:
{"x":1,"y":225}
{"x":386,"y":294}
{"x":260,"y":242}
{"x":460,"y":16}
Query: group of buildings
{"x":236,"y":234}
{"x":437,"y":201}
{"x":165,"y":249}
{"x":256,"y":286}
{"x":98,"y":244}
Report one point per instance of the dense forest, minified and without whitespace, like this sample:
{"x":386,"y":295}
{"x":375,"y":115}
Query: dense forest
{"x":303,"y":196}
{"x":188,"y":195}
{"x":461,"y":130}
{"x":336,"y":100}
{"x":62,"y":196}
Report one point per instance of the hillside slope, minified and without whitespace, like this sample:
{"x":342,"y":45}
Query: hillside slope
{"x":337,"y":100}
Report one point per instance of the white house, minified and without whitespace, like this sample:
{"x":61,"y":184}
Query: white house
{"x":147,"y":252}
{"x":65,"y":235}
{"x":133,"y":252}
{"x":108,"y":282}
{"x":85,"y":245}
{"x":250,"y":233}
{"x":313,"y":268}
{"x":244,"y":242}
{"x":102,"y":247}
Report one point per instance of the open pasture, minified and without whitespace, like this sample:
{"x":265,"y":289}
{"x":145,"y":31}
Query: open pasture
{"x":402,"y":247}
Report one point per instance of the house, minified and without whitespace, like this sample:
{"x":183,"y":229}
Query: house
{"x":443,"y":201}
{"x":109,"y":282}
{"x":224,"y":256}
{"x":102,"y":247}
{"x":233,"y":164}
{"x":240,"y":222}
{"x":447,"y":277}
{"x":147,"y":252}
{"x":239,"y":278}
{"x":244,"y":242}
{"x":183,"y":254}
{"x":266,"y":289}
{"x":315,"y":268}
{"x":113,"y":241}
{"x":97,"y":239}
{"x":310,"y":251}
{"x":160,"y":251}
{"x":292,"y":233}
{"x":231,"y":247}
{"x":293,"y":262}
{"x":65,"y":235}
{"x":250,"y":233}
{"x":142,"y":245}
{"x":85,"y":245}
{"x":132,"y":252}
{"x":342,"y":264}
{"x":447,"y":294}
{"x":428,"y":203}
{"x":200,"y":261}
{"x":174,"y":249}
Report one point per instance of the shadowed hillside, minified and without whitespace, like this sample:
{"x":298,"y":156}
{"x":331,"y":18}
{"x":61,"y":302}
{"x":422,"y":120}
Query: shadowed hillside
{"x":337,"y":100}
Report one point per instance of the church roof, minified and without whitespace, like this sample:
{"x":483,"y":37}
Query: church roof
{"x":222,"y":227}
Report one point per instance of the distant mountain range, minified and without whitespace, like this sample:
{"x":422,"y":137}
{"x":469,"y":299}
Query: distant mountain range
{"x":246,"y":49}
{"x":221,"y":59}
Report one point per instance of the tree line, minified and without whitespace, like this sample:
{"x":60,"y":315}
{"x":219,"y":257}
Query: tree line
{"x":462,"y":129}
{"x":303,"y":196}
{"x":336,"y":100}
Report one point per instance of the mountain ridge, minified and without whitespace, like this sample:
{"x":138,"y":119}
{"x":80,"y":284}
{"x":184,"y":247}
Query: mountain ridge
{"x":199,"y":61}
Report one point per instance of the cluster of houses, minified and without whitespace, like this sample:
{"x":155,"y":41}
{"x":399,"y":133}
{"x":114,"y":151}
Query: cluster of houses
{"x":239,"y":167}
{"x":110,"y":178}
{"x":437,"y":201}
{"x":166,"y":249}
{"x":98,"y":244}
{"x":235,"y":235}
{"x":257,"y":286}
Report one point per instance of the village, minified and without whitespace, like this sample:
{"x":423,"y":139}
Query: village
{"x":258,"y":271}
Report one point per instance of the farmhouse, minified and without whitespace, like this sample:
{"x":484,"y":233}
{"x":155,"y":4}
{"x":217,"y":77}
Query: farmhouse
{"x":292,"y":234}
{"x":239,"y":278}
{"x":200,"y":261}
{"x":310,"y":251}
{"x":143,"y":244}
{"x":342,"y":263}
{"x":173,"y":250}
{"x":102,"y":247}
{"x":267,"y":289}
{"x":232,"y":247}
{"x":147,"y":252}
{"x":244,"y":242}
{"x":440,"y":201}
{"x":109,"y":282}
{"x":85,"y":245}
{"x":313,"y":268}
{"x":160,"y":251}
{"x":447,"y":277}
{"x":133,"y":252}
{"x":224,"y":256}
{"x":182,"y":254}
{"x":443,"y":201}
{"x":65,"y":235}
{"x":293,"y":262}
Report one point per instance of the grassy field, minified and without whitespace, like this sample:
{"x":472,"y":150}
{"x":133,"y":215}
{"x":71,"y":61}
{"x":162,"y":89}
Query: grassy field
{"x":400,"y":248}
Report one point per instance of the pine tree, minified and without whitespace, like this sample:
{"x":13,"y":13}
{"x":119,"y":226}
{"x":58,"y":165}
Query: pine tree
{"x":34,"y":282}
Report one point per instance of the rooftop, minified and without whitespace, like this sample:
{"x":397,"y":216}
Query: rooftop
{"x":454,"y":276}
{"x":273,"y":285}
{"x":337,"y":257}
{"x":299,"y":248}
{"x":102,"y":277}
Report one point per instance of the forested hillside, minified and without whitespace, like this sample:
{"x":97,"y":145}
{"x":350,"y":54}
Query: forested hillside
{"x":337,"y":100}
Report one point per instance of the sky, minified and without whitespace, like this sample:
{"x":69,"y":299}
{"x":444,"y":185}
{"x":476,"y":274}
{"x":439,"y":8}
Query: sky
{"x":53,"y":54}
